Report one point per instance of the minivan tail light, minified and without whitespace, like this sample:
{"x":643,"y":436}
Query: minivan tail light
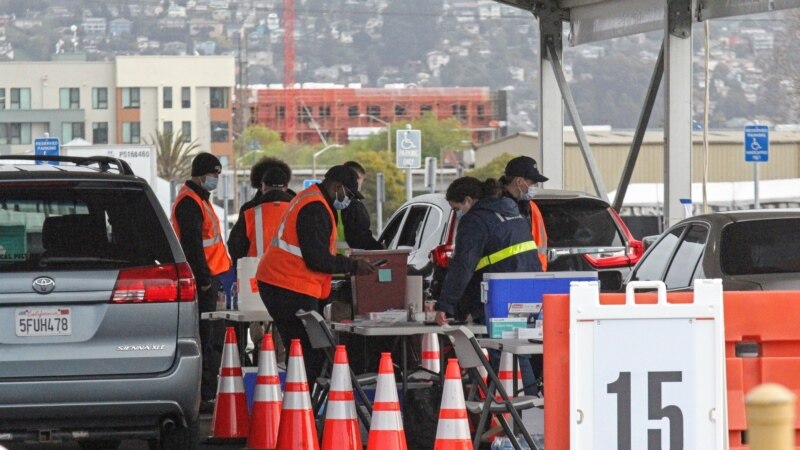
{"x":187,"y":288}
{"x":155,"y":284}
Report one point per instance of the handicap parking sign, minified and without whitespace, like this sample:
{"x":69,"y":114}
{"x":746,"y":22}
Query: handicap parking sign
{"x":756,"y":143}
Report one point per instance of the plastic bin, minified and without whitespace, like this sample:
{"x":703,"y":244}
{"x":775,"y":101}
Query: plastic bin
{"x":386,"y":288}
{"x":504,"y":293}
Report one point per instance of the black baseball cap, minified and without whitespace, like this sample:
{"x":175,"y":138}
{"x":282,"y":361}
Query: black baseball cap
{"x":525,"y":167}
{"x":205,"y":163}
{"x":275,"y":177}
{"x":346,"y":176}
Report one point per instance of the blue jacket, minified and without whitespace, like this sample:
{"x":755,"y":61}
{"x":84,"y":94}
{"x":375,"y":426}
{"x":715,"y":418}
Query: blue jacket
{"x":492,"y":224}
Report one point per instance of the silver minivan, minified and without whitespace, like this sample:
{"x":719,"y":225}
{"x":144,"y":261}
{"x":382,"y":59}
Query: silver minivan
{"x":99,"y":333}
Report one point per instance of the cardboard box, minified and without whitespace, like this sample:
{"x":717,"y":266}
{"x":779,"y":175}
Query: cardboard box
{"x":504,"y":327}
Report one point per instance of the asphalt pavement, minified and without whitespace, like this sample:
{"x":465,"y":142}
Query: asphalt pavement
{"x":205,"y":426}
{"x":534,"y":421}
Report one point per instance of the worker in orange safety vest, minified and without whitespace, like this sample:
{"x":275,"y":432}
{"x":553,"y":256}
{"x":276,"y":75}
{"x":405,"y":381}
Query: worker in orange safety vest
{"x":295,"y":272}
{"x":521,"y":182}
{"x":198,"y":228}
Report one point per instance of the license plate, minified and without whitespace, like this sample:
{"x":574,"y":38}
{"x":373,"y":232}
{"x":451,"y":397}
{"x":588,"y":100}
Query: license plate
{"x":43,"y":322}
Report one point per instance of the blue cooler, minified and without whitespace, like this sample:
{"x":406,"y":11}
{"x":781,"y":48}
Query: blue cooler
{"x":521,"y":293}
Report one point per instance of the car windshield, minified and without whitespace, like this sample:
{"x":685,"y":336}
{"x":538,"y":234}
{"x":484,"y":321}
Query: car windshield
{"x":760,"y":247}
{"x":68,"y":228}
{"x":579,"y":224}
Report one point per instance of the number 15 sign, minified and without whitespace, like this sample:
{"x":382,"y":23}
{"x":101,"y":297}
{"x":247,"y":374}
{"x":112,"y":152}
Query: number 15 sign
{"x":647,"y":376}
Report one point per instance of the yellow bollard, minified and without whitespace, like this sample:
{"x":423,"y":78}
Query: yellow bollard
{"x":770,"y":417}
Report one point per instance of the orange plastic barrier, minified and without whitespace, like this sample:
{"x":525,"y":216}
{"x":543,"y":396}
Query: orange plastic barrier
{"x":762,"y":344}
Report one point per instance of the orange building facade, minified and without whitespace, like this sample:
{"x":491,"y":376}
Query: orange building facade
{"x":342,"y":114}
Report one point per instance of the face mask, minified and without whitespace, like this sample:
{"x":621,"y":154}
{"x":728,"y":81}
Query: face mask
{"x":210,"y":183}
{"x":459,"y":214}
{"x":341,"y":204}
{"x":529,"y":194}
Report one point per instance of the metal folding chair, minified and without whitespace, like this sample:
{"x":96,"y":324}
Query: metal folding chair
{"x":470,"y":357}
{"x":321,"y":338}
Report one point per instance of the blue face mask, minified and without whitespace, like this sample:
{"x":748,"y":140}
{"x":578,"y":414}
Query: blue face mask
{"x":210,"y":183}
{"x":529,"y":194}
{"x":459,"y":214}
{"x":341,"y":204}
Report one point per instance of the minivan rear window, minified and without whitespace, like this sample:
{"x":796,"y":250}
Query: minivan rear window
{"x":73,"y":227}
{"x":760,"y":247}
{"x":579,"y":224}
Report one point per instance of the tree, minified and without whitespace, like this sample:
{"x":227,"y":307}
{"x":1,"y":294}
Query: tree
{"x":175,"y":154}
{"x":255,"y":142}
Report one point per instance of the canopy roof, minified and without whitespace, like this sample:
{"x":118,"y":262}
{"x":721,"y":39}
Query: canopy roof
{"x":596,"y":20}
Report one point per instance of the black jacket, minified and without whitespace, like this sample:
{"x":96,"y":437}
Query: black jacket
{"x":190,"y":221}
{"x":492,"y":224}
{"x":313,"y":232}
{"x":355,"y":220}
{"x":238,"y":242}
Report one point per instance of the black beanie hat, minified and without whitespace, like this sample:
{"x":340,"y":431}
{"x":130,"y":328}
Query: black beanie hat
{"x":205,"y":163}
{"x":275,"y":177}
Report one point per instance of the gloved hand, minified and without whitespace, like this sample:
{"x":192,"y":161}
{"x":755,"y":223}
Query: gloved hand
{"x":363,"y":267}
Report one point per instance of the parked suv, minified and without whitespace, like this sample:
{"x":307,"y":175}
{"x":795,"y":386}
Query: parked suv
{"x":98,"y":312}
{"x":748,"y":250}
{"x":584,"y":233}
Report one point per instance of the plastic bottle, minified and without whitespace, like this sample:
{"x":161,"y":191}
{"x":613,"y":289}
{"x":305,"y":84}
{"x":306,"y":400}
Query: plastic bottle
{"x":497,"y":444}
{"x":507,"y":445}
{"x":235,"y":296}
{"x":222,"y":302}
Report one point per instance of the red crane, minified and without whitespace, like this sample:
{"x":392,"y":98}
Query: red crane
{"x":290,"y":112}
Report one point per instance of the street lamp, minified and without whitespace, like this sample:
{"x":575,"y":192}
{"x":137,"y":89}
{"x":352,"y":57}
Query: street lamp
{"x":314,"y":158}
{"x":388,"y":129}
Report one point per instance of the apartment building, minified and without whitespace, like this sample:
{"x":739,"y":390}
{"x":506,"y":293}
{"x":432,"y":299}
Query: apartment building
{"x":342,"y":114}
{"x":123,"y":101}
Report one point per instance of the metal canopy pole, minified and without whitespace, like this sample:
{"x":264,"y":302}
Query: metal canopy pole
{"x":678,"y":104}
{"x":577,"y":126}
{"x":641,"y":127}
{"x":551,"y":110}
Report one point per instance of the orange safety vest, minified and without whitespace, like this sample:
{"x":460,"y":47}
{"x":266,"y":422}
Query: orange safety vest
{"x":213,"y":245}
{"x":262,"y":223}
{"x":539,"y":234}
{"x":283,"y":264}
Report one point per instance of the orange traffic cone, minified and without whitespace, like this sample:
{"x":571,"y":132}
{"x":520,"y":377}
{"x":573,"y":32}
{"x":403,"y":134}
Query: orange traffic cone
{"x":266,"y":400}
{"x":452,"y":432}
{"x":506,"y":376}
{"x":482,"y":370}
{"x":230,"y":418}
{"x":386,"y":431}
{"x":298,"y":430}
{"x":430,"y":352}
{"x":341,"y":430}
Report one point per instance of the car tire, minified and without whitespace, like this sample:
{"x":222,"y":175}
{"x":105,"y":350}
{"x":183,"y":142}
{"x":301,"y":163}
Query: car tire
{"x":182,"y":438}
{"x":110,"y":444}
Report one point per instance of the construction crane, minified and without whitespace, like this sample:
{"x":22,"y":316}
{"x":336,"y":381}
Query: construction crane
{"x":290,"y":112}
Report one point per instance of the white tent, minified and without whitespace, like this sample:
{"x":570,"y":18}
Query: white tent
{"x":721,"y":195}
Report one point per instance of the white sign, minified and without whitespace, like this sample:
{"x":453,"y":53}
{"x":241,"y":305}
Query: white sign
{"x":409,"y":149}
{"x":647,"y":376}
{"x":141,"y":158}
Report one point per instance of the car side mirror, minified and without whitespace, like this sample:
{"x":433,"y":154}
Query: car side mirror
{"x":648,"y":241}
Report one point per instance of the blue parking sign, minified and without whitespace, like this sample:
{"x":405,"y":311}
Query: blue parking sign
{"x":308,"y":182}
{"x":46,"y":146}
{"x":756,"y":143}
